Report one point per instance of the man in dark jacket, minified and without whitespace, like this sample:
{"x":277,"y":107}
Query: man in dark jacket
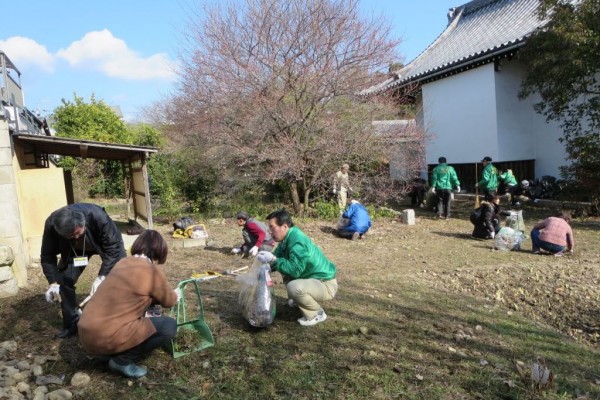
{"x":76,"y":232}
{"x":486,"y":218}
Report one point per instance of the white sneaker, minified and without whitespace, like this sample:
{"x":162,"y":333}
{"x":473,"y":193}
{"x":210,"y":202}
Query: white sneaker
{"x":320,"y":317}
{"x":292,"y":303}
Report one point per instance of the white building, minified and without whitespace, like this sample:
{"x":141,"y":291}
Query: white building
{"x":469,"y":81}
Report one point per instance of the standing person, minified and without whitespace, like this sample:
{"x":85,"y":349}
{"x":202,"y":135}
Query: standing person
{"x":443,"y":180}
{"x":77,"y":232}
{"x":554,"y":234}
{"x":114,"y":324}
{"x":489,"y":179}
{"x":359,"y":221}
{"x":341,"y":187}
{"x":309,"y":276}
{"x":255,"y":234}
{"x":511,"y":186}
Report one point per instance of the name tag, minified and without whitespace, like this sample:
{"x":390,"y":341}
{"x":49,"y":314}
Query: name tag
{"x":80,"y":262}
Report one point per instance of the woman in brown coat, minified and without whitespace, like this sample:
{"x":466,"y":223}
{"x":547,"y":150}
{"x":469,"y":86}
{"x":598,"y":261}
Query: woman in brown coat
{"x":113,"y":323}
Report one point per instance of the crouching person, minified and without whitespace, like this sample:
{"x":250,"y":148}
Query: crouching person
{"x":113,"y":322}
{"x":486,"y":218}
{"x":309,"y":276}
{"x":359,"y":221}
{"x":255,"y":234}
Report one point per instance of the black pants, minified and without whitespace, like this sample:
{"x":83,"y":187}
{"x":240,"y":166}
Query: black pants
{"x":166,"y":329}
{"x":68,"y":275}
{"x":488,"y":194}
{"x":443,"y":202}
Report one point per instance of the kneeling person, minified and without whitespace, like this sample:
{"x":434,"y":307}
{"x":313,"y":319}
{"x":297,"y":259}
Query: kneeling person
{"x":359,"y":221}
{"x":114,"y":324}
{"x":309,"y":276}
{"x":255,"y":234}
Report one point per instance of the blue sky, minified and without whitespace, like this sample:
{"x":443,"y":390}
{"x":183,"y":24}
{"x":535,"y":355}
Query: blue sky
{"x":125,"y":52}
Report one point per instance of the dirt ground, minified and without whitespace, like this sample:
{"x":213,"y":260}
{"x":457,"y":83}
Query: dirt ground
{"x":562,"y":292}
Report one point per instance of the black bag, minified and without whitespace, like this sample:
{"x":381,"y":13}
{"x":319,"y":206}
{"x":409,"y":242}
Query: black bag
{"x":182,"y":223}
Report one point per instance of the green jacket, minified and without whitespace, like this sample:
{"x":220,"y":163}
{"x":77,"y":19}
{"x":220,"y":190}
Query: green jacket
{"x":489,"y":178}
{"x":444,"y":177}
{"x":299,"y":258}
{"x":508,"y":178}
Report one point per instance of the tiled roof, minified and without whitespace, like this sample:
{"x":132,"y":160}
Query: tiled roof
{"x":478,"y":30}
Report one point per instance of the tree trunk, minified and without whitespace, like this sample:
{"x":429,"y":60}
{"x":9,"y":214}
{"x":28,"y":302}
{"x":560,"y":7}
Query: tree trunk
{"x":295,"y":197}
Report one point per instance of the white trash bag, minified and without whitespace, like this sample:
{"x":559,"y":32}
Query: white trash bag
{"x":508,"y":239}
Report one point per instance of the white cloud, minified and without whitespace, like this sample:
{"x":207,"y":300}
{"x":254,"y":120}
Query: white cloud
{"x":25,"y":53}
{"x":101,"y":51}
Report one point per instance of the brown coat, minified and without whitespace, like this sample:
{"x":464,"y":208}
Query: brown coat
{"x":113,"y":320}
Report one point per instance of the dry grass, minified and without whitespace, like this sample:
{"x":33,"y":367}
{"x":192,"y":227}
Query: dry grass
{"x":423,"y":312}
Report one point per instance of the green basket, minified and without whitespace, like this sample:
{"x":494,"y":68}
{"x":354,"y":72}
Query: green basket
{"x":197,"y":325}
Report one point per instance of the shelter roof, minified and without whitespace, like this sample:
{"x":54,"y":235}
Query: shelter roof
{"x":53,"y":145}
{"x":477,"y":32}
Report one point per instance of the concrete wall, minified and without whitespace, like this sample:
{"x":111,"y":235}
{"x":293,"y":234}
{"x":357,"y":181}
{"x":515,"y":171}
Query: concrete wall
{"x":459,"y":112}
{"x":10,"y":224}
{"x":477,"y":113}
{"x":523,"y":133}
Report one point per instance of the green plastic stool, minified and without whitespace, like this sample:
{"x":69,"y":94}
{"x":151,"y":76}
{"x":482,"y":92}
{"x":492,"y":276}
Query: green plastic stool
{"x":197,"y":325}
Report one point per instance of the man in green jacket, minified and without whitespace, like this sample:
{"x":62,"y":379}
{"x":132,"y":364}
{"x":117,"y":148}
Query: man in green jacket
{"x":309,"y":276}
{"x":489,"y":179}
{"x":443,"y":180}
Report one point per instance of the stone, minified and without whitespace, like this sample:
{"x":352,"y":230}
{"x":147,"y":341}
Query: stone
{"x":48,"y":379}
{"x":80,"y":379}
{"x":23,"y":365}
{"x":60,"y":394}
{"x":408,"y":217}
{"x":9,"y":288}
{"x":23,"y":387}
{"x":36,"y":370}
{"x":6,"y":273}
{"x":9,"y":345}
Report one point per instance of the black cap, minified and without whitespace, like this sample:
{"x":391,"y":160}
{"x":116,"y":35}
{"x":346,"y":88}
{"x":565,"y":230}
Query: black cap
{"x":486,"y":158}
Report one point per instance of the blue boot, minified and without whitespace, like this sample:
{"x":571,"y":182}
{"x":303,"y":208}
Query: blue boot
{"x":129,"y":370}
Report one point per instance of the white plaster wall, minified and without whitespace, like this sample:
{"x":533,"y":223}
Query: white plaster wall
{"x":459,"y":113}
{"x":522,"y":133}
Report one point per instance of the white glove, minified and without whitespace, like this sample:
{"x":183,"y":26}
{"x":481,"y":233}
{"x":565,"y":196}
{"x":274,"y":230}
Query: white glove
{"x":53,"y":293}
{"x":433,"y":190}
{"x":265,"y":257}
{"x":236,"y":250}
{"x":458,"y":189}
{"x":99,"y":279}
{"x":178,"y":294}
{"x":253,"y":251}
{"x":493,"y":234}
{"x":334,"y":191}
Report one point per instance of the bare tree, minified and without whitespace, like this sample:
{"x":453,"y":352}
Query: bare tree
{"x":268,"y":87}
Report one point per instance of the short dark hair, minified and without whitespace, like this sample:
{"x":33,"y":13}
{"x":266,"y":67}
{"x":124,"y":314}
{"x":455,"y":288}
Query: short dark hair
{"x":65,"y":220}
{"x":282,"y":217}
{"x":442,"y":160}
{"x":242,"y":215}
{"x":151,"y":244}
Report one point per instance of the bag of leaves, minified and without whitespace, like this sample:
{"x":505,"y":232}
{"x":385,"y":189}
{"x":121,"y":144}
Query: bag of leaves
{"x":257,"y":299}
{"x":508,"y":239}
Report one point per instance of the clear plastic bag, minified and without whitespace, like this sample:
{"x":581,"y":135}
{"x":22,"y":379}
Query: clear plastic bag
{"x":257,"y":298}
{"x":515,"y":220}
{"x":508,"y":239}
